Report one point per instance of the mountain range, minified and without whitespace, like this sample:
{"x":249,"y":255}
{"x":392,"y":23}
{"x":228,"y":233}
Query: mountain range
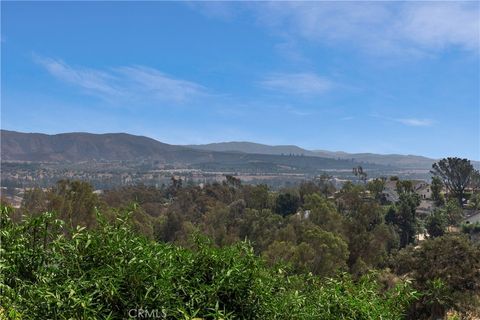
{"x":87,"y":147}
{"x":78,"y":147}
{"x":396,"y":160}
{"x":81,"y":147}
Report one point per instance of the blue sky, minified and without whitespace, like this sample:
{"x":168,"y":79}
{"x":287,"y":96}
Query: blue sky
{"x":383,"y":77}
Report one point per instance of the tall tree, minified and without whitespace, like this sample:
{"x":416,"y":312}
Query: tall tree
{"x":404,"y":187}
{"x":75,"y":202}
{"x":453,"y":212}
{"x":287,"y":203}
{"x":231,"y":181}
{"x":403,"y":215}
{"x":325,"y":182}
{"x":437,"y":186}
{"x":34,"y":201}
{"x":436,"y":223}
{"x":456,"y":174}
{"x":446,"y":269}
{"x":376,"y":187}
{"x":362,"y":175}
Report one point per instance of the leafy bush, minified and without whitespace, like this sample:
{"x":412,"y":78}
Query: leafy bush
{"x":47,"y":273}
{"x":447,"y":270}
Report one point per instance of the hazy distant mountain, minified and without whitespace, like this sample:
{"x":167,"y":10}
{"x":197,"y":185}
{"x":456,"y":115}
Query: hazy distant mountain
{"x":250,"y":147}
{"x":78,"y":147}
{"x":402,"y":161}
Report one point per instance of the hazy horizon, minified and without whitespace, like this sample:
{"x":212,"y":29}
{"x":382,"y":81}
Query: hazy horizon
{"x":252,"y":142}
{"x":385,"y":78}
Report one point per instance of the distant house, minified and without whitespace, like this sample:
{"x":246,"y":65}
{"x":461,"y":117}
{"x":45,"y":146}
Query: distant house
{"x":422,"y":189}
{"x":390,"y":193}
{"x":419,"y":187}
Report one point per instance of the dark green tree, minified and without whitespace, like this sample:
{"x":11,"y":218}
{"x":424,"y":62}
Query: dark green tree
{"x":307,"y":188}
{"x":404,"y":187}
{"x":175,"y":187}
{"x":232,"y":181}
{"x":436,"y":223}
{"x":447,"y":270}
{"x":256,"y":197}
{"x":475,"y":201}
{"x":453,"y":212}
{"x":287,"y":203}
{"x":369,"y":238}
{"x":324,"y":182}
{"x":403,"y":215}
{"x":34,"y":201}
{"x":437,"y":186}
{"x":376,"y":187}
{"x":75,"y":202}
{"x":456,"y":174}
{"x":323,"y":213}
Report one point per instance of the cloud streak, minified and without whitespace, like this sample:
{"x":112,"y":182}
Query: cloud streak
{"x":441,"y":24}
{"x":414,"y":122}
{"x":375,"y":27}
{"x":131,"y":83}
{"x":411,"y":122}
{"x":305,"y":84}
{"x":94,"y":81}
{"x":159,"y":85}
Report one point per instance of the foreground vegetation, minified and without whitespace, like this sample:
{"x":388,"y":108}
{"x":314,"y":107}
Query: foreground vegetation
{"x":228,"y":250}
{"x":107,"y":272}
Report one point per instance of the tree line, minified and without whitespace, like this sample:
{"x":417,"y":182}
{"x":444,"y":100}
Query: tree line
{"x":312,"y":229}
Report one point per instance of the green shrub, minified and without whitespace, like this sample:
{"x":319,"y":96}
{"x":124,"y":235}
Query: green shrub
{"x":47,"y":273}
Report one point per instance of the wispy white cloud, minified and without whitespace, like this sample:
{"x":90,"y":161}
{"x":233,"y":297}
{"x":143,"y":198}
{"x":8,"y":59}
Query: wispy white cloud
{"x":411,"y":122}
{"x":159,"y":85}
{"x":441,"y":24}
{"x":297,"y":83}
{"x":409,"y":27}
{"x":91,"y":80}
{"x":381,"y":26}
{"x":414,"y":122}
{"x":131,"y":83}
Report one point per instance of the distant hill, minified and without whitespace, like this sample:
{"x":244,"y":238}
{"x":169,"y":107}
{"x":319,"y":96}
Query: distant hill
{"x":76,"y":147}
{"x":396,"y":160}
{"x":251,"y":147}
{"x":248,"y":156}
{"x":81,"y":147}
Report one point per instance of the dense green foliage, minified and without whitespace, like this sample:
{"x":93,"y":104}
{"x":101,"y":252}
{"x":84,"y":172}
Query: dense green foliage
{"x":447,"y":270}
{"x":108,"y":271}
{"x":436,"y":223}
{"x":230,"y":250}
{"x":456,"y":174}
